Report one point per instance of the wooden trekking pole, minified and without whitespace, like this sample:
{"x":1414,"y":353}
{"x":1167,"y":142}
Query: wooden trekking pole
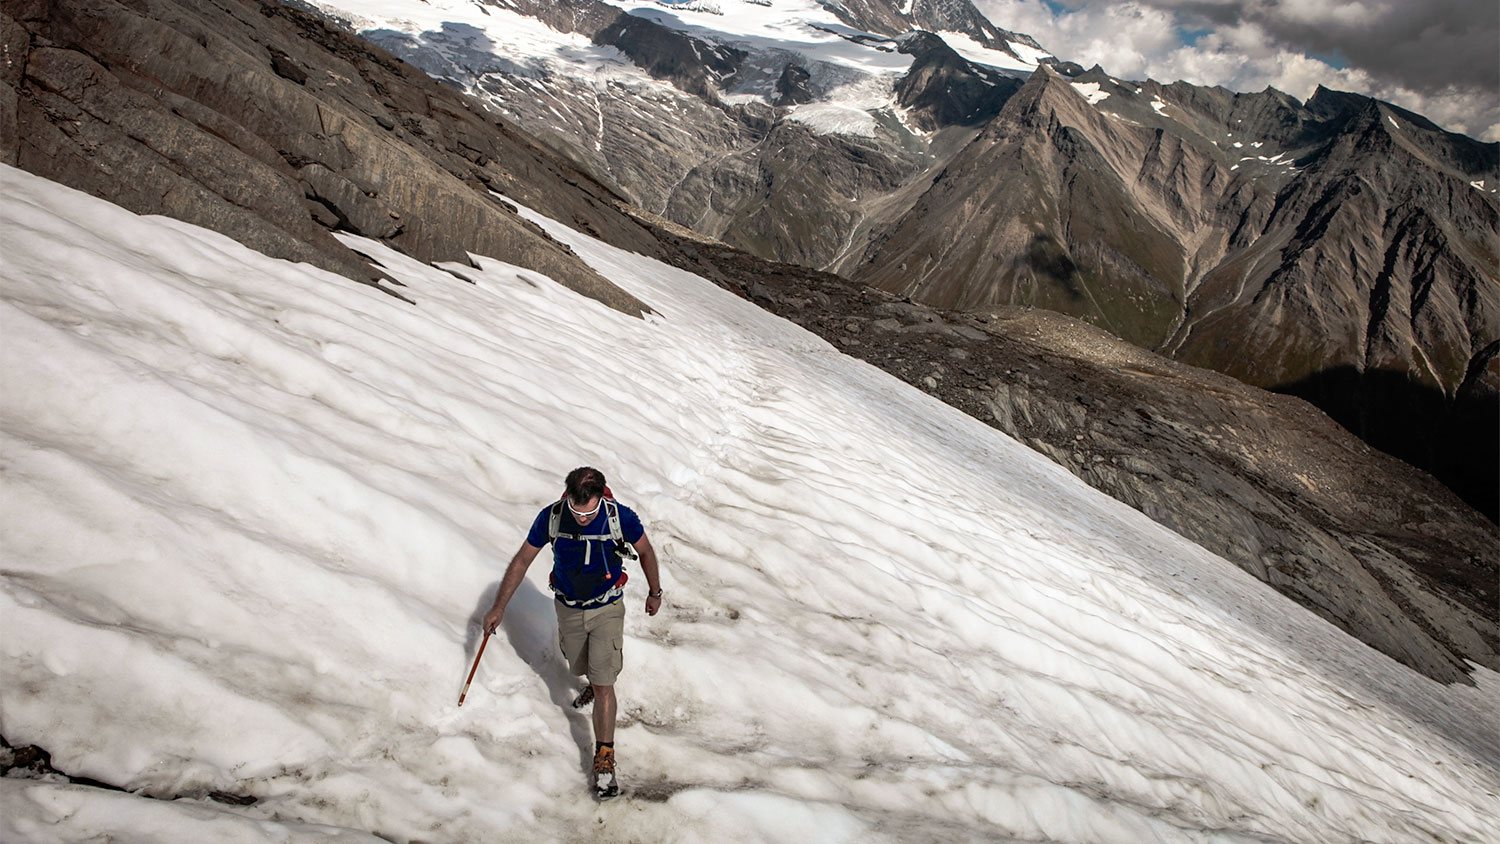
{"x":465,"y":692}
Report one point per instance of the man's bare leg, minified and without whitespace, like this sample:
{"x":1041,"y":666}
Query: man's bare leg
{"x":604,"y":714}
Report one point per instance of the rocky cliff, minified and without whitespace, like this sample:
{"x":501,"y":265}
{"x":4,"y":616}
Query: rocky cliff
{"x":266,"y":124}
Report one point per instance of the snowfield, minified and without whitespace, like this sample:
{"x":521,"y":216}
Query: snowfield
{"x":253,"y":511}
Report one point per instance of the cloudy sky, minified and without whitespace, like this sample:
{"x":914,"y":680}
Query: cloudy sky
{"x":1440,"y":58}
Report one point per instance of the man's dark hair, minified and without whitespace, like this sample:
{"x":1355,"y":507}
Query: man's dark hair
{"x":585,"y":483}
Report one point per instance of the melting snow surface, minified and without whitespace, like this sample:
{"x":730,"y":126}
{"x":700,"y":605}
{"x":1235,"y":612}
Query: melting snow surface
{"x":1158,"y":106}
{"x":849,"y":109}
{"x":805,"y":27}
{"x":1026,"y":58}
{"x":1091,"y":92}
{"x":254,"y":510}
{"x":833,"y":118}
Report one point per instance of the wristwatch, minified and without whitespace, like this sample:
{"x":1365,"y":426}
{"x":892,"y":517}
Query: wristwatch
{"x":656,"y":594}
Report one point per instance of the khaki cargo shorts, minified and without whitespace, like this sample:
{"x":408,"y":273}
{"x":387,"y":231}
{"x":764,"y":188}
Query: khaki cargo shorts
{"x":592,"y":639}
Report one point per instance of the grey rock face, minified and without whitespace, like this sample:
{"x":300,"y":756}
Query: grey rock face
{"x":795,"y":194}
{"x":1005,"y":219}
{"x":694,"y":66}
{"x":943,"y":89}
{"x":794,"y":86}
{"x":260,"y":122}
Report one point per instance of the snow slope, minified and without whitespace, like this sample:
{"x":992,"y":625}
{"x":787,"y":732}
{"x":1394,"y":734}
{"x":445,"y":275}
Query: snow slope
{"x":252,"y":512}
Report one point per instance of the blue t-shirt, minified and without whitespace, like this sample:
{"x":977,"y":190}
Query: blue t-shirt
{"x":584,"y":569}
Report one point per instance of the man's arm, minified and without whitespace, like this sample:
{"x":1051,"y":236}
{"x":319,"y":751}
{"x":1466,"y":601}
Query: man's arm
{"x":653,"y":578}
{"x":514,"y":574}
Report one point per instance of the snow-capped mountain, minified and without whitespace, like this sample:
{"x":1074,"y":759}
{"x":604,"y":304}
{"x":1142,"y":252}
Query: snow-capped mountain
{"x":740,"y":119}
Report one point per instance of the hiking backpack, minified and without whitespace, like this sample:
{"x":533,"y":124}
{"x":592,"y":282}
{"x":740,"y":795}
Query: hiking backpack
{"x":614,"y":563}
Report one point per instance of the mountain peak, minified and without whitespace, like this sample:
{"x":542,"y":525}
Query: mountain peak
{"x":943,"y":88}
{"x":1327,"y":103}
{"x":1276,"y":94}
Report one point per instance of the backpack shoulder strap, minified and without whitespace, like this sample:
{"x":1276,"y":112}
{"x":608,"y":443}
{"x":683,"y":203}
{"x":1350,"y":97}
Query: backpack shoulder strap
{"x":616,"y":532}
{"x":613,"y":512}
{"x":612,"y":515}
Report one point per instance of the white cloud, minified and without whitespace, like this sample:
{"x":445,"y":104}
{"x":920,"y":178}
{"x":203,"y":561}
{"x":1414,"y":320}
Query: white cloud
{"x":1246,"y":48}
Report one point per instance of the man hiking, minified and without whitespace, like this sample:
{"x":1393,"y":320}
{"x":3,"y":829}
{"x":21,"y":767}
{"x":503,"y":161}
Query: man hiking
{"x":591,"y":535}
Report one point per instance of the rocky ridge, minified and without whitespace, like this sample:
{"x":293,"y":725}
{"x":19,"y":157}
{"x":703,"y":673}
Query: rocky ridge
{"x":1358,"y":261}
{"x":945,"y":89}
{"x":265,"y":124}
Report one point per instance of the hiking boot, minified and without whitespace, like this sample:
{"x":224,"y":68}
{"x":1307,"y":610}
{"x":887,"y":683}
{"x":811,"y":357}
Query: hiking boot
{"x":605,"y":784}
{"x":585,"y":697}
